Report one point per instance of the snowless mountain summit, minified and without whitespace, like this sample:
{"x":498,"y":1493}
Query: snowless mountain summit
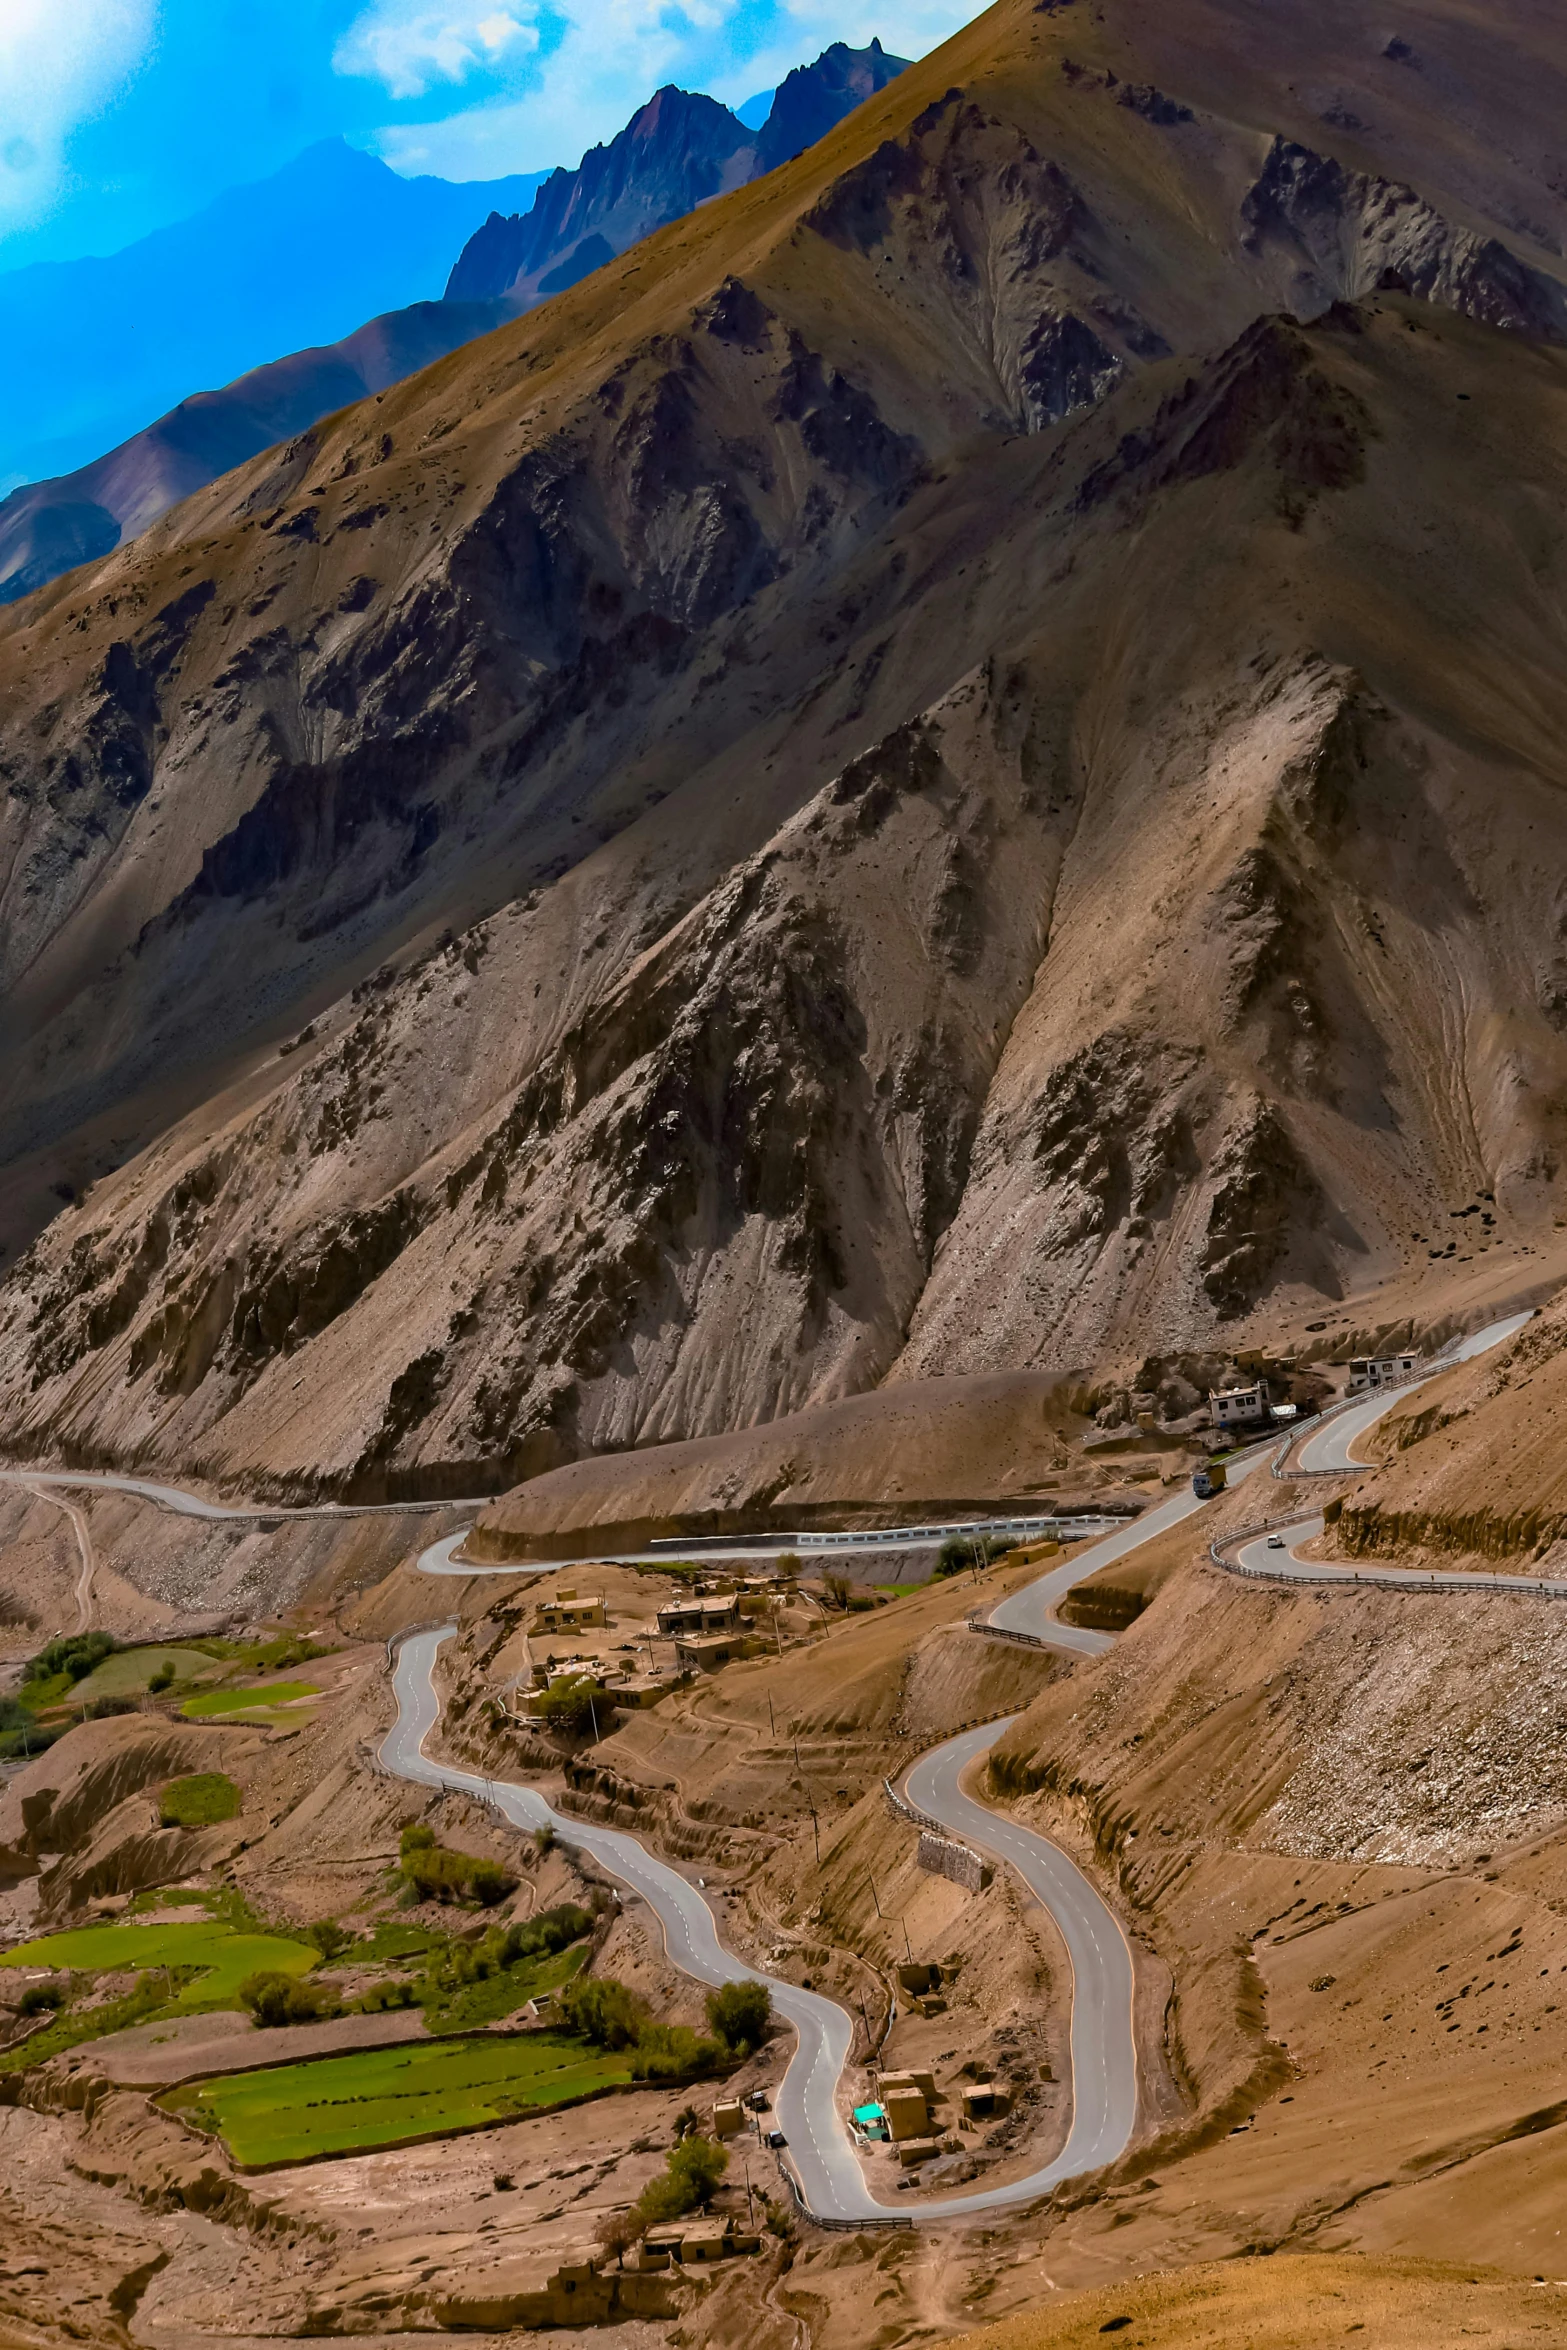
{"x":952,"y":765}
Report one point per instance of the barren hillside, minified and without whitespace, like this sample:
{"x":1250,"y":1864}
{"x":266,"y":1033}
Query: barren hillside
{"x":910,"y":781}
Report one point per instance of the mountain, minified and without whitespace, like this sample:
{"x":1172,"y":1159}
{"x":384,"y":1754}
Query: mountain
{"x":676,"y":153}
{"x":814,"y":99}
{"x":954,"y":765}
{"x":51,"y":525}
{"x":290,"y":262}
{"x":679,"y":151}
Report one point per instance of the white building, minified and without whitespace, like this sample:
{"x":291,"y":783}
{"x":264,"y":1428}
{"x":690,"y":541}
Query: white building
{"x":1368,"y":1371}
{"x":1239,"y":1407}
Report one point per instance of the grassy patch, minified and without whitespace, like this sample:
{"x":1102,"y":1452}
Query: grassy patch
{"x":200,"y":1801}
{"x":465,"y":2007}
{"x":232,"y":1701}
{"x":392,"y":1940}
{"x":385,"y":2096}
{"x":223,"y":1956}
{"x":128,"y":1671}
{"x":76,"y":2025}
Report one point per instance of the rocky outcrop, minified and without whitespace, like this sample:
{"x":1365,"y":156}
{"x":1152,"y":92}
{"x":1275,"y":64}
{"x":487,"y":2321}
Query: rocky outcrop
{"x":1348,"y":233}
{"x":678,"y":151}
{"x":787,"y":825}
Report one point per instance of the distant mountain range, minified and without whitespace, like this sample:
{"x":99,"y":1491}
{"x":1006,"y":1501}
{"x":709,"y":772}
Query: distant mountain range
{"x":98,"y":347}
{"x":679,"y":151}
{"x":372,"y":238}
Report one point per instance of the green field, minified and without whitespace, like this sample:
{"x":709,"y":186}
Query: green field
{"x":225,"y":1956}
{"x":233,"y":1701}
{"x":200,"y":1801}
{"x":386,"y":2096}
{"x":128,"y":1671}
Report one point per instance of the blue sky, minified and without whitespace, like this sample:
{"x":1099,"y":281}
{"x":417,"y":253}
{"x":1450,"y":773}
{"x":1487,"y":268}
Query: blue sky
{"x":117,"y":116}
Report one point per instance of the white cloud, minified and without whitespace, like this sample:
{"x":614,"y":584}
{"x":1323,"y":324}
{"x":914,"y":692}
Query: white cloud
{"x":408,"y":49}
{"x":58,"y":66}
{"x":612,"y":56}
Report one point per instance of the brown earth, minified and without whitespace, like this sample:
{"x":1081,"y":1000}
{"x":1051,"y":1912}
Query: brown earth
{"x":1296,"y":2303}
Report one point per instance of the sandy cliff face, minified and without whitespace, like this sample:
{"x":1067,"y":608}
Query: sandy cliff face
{"x":906,"y":783}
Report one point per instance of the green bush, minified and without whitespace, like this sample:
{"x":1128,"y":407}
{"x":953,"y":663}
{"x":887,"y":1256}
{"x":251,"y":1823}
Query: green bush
{"x":275,"y":1999}
{"x":162,"y":1679}
{"x":673,"y":2052}
{"x":39,"y":1996}
{"x":692,"y":2172}
{"x":740,"y":2014}
{"x":432,"y":1873}
{"x":958,"y":1553}
{"x":76,"y":1655}
{"x":569,"y":1703}
{"x":200,"y":1801}
{"x":603,"y":2011}
{"x":329,"y":1937}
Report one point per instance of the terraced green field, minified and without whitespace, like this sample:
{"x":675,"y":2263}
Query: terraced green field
{"x":247,"y":1701}
{"x":225,"y":1956}
{"x":388,"y":2096}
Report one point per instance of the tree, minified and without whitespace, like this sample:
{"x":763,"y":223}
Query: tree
{"x":699,"y":2164}
{"x":617,"y":2233}
{"x":603,"y":2011}
{"x":740,"y":2014}
{"x":275,"y":1999}
{"x":689,"y":2182}
{"x":837,"y":1587}
{"x":329,"y":1937}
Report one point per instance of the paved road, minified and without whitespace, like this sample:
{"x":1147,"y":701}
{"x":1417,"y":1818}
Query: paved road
{"x":193,"y":1505}
{"x":806,"y":2101}
{"x":1104,"y":2063}
{"x":1030,"y":1610}
{"x":1330,"y":1449}
{"x":1286,"y":1565}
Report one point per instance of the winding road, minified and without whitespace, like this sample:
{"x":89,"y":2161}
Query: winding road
{"x":1104,"y":2058}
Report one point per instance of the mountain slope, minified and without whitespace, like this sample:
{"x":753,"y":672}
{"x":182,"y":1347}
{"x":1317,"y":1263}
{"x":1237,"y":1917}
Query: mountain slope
{"x":836,"y":810}
{"x":294,"y":261}
{"x":51,"y":525}
{"x":678,"y":152}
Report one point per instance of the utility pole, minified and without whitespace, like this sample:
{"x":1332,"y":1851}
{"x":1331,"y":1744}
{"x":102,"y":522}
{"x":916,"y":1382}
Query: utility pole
{"x":904,"y":1923}
{"x":593,"y":1716}
{"x":772,"y":1719}
{"x":816,"y":1833}
{"x":870,"y":1880}
{"x":750,"y":2207}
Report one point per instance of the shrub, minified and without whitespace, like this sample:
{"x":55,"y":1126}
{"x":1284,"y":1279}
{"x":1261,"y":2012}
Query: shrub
{"x":689,"y":2182}
{"x":740,"y":2014}
{"x":39,"y":1996}
{"x":569,"y":1703}
{"x":603,"y":2011}
{"x":381,"y":1996}
{"x":77,"y":1655}
{"x":275,"y":1999}
{"x":329,"y":1937}
{"x":435,"y":1874}
{"x":162,"y":1679}
{"x":673,"y":2052}
{"x":959,"y":1552}
{"x":200,"y":1801}
{"x":837,"y":1586}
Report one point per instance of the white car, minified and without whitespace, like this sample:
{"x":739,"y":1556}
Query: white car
{"x":1275,"y":1542}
